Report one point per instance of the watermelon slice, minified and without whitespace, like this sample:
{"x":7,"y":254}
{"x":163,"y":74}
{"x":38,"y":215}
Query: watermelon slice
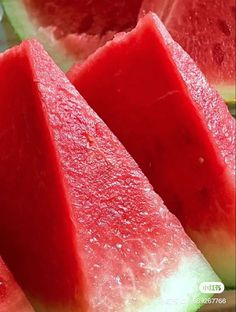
{"x":81,"y":227}
{"x":154,"y":98}
{"x":70,"y":30}
{"x":12,"y":298}
{"x":206,"y":30}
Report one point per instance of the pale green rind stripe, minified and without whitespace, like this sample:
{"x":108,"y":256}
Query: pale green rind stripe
{"x":25,"y":28}
{"x":227,"y":92}
{"x":180,"y":292}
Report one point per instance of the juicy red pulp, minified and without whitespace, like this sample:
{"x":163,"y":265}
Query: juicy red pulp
{"x":136,"y":89}
{"x":29,"y":143}
{"x":12,"y":298}
{"x":206,"y":31}
{"x":84,"y":16}
{"x":125,"y":237}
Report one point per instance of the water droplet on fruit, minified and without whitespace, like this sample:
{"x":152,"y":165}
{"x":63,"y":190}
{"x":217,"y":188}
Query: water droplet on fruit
{"x":147,"y":189}
{"x":143,"y":213}
{"x":162,"y":212}
{"x":106,"y":246}
{"x":125,"y":221}
{"x":201,"y":160}
{"x":223,"y":26}
{"x":118,"y":246}
{"x":218,"y":53}
{"x":92,"y":240}
{"x":118,"y":280}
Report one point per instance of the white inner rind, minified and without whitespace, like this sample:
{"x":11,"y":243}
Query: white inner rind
{"x":180,"y":292}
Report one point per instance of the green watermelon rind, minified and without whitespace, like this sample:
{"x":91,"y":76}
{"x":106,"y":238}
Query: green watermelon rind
{"x":228,"y":92}
{"x":25,"y":28}
{"x":232,"y":107}
{"x":180,"y":282}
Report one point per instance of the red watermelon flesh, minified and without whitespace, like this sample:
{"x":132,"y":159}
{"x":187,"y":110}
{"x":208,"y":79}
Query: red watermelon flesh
{"x":154,"y":98}
{"x":81,"y":227}
{"x":70,"y":29}
{"x":85,"y":16}
{"x":12,"y":298}
{"x":206,"y":30}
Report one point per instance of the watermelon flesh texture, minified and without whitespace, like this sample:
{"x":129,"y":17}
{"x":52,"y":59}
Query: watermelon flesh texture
{"x":154,"y":98}
{"x":206,"y":30}
{"x":12,"y":298}
{"x":71,"y":30}
{"x":81,"y":227}
{"x":86,"y":16}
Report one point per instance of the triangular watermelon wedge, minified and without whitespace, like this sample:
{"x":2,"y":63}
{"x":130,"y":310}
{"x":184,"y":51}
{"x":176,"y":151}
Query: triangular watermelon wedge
{"x":178,"y":129}
{"x":81,"y":227}
{"x":12,"y":298}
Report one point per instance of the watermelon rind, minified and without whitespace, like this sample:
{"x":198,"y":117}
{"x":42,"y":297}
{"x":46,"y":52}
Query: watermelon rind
{"x":232,"y":107}
{"x":3,"y":45}
{"x":227,"y":92}
{"x":180,"y":292}
{"x":25,"y":28}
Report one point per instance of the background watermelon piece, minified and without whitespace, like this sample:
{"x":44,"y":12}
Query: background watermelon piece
{"x":206,"y":30}
{"x":154,"y":98}
{"x":70,"y":30}
{"x":12,"y":298}
{"x":80,"y":226}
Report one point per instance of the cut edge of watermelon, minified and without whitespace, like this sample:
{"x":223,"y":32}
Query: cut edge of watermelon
{"x":24,"y":28}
